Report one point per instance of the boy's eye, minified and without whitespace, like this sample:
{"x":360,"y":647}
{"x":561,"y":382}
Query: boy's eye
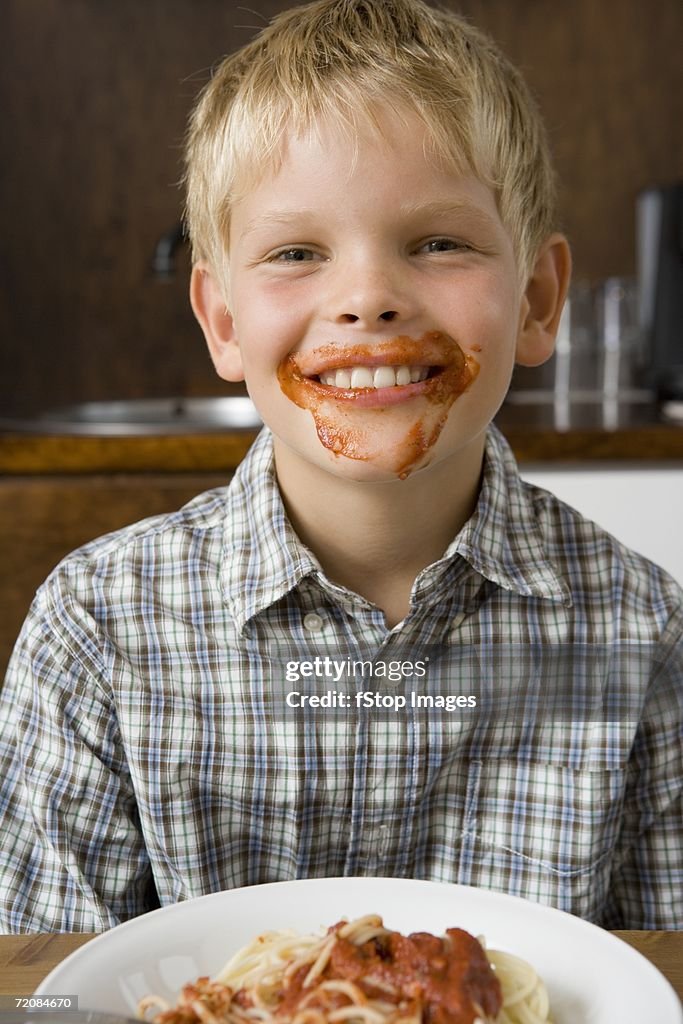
{"x":292,"y":255}
{"x":442,"y":245}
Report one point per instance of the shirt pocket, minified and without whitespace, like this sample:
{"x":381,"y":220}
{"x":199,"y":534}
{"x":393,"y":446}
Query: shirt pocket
{"x":543,"y":830}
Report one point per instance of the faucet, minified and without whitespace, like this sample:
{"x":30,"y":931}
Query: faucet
{"x":163,"y":261}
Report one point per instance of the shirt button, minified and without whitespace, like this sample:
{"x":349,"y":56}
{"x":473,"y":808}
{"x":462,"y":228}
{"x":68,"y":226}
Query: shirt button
{"x":382,"y":841}
{"x":313,"y":623}
{"x":386,"y":679}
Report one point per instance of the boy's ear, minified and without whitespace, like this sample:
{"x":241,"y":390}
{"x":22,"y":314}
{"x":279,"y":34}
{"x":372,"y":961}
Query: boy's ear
{"x":216,"y":322}
{"x":543,"y":300}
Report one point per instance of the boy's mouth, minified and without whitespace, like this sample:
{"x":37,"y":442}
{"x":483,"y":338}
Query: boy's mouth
{"x":377,"y":377}
{"x":348,"y":391}
{"x":383,"y":373}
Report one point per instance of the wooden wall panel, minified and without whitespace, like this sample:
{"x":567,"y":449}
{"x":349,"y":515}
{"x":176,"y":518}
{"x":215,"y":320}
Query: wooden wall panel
{"x":95,"y":98}
{"x":609,"y":81}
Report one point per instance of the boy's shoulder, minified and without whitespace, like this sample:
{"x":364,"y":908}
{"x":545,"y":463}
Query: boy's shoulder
{"x":600,"y":578}
{"x":595,"y":564}
{"x":171,"y":537}
{"x":202,"y":515}
{"x":170,"y":559}
{"x":127,"y":583}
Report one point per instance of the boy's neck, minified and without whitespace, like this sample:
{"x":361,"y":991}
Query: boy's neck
{"x":374,"y":538}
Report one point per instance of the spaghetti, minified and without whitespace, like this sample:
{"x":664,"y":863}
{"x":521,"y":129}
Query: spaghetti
{"x":360,"y":972}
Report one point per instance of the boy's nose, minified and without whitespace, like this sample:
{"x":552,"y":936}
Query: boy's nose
{"x":368,"y":309}
{"x":388,"y":314}
{"x":368,"y":296}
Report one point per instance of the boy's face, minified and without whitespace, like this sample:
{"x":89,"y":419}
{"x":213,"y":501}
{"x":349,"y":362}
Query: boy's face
{"x":374,"y":263}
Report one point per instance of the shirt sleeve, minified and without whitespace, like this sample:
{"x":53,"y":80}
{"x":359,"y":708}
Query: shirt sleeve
{"x":647,"y":881}
{"x":72,"y":856}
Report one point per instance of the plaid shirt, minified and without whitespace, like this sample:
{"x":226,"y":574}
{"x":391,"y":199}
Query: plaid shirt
{"x":150,"y":752}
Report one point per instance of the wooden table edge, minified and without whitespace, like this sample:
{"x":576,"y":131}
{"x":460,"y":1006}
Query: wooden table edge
{"x":26,"y":959}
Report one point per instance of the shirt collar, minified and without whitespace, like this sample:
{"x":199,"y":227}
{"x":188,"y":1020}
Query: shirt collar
{"x":264,"y":559}
{"x":503,"y":540}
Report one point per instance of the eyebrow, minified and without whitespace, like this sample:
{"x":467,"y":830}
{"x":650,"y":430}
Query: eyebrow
{"x":438,"y":208}
{"x":265,"y":220}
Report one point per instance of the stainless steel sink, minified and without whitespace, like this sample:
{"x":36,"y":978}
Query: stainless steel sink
{"x":143,"y":416}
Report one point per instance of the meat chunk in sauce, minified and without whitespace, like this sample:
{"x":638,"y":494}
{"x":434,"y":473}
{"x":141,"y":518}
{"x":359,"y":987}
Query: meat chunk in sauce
{"x":446,"y":980}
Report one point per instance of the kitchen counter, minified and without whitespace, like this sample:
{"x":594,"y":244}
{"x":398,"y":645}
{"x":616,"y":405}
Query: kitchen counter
{"x":639,"y":437}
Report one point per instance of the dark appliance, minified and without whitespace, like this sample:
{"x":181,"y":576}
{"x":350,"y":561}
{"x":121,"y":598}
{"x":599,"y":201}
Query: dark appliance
{"x":659,"y":241}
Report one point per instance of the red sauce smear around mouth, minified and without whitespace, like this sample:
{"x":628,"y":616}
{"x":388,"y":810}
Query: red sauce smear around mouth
{"x":445,"y":980}
{"x":333,"y":408}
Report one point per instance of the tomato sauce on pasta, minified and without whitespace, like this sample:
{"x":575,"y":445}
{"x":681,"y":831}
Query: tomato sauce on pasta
{"x":360,"y":972}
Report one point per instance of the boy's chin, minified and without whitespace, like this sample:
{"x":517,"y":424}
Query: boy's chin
{"x":379,"y":444}
{"x":381,"y":468}
{"x":383,"y":456}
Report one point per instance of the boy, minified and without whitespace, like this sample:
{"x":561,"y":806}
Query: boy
{"x":370,"y":205}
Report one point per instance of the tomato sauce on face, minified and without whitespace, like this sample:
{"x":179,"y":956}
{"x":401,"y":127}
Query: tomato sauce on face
{"x":349,"y":421}
{"x":445,"y":980}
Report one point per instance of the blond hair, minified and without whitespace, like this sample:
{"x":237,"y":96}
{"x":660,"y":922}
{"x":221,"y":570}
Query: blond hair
{"x":349,"y":59}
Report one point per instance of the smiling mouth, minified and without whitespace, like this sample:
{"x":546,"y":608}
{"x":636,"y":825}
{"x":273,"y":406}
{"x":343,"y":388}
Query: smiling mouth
{"x":374,"y":377}
{"x":398,"y":364}
{"x":349,"y":389}
{"x":387,"y":374}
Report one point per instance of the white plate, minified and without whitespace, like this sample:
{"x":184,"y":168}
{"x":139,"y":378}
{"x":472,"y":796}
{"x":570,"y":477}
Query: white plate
{"x":592,"y":977}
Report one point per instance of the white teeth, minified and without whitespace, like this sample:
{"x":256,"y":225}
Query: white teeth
{"x":374,"y":377}
{"x":362,"y":377}
{"x":336,"y":378}
{"x":385,"y":377}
